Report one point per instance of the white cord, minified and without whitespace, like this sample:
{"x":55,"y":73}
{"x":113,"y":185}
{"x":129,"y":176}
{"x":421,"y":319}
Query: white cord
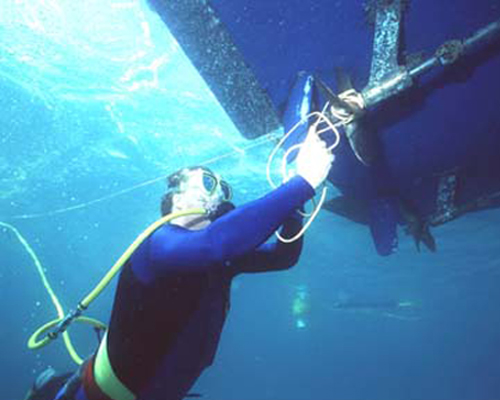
{"x":309,"y":221}
{"x":351,"y":97}
{"x":321,"y":118}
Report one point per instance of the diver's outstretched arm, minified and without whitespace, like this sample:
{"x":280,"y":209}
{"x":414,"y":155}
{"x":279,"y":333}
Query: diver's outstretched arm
{"x":274,"y":256}
{"x":229,"y":237}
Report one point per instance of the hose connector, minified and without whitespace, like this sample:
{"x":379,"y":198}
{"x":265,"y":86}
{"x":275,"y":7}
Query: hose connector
{"x":63,"y":325}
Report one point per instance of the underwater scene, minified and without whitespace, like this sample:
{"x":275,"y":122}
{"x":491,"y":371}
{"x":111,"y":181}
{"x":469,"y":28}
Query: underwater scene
{"x":388,"y":292}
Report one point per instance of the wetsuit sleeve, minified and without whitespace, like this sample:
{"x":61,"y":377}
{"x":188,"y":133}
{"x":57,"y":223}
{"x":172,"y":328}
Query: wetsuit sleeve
{"x":273,"y":256}
{"x":234,"y":234}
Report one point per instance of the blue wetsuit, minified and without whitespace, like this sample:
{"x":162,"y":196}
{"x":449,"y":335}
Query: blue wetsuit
{"x":173,"y":294}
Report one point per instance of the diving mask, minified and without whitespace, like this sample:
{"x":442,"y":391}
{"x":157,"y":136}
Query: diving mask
{"x":200,"y":187}
{"x":200,"y":178}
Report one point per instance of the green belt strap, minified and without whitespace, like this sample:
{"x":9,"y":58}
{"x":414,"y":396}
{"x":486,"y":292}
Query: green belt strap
{"x":106,"y":378}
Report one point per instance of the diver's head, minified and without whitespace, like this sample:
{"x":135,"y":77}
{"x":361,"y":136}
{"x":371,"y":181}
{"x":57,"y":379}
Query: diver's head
{"x":197,"y":187}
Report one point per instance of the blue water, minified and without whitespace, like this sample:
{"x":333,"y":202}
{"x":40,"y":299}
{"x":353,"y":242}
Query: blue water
{"x":98,"y":104}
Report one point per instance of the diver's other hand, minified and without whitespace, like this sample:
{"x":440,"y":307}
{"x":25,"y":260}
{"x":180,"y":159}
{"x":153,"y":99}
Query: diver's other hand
{"x":314,"y":160}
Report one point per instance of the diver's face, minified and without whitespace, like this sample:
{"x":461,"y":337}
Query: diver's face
{"x":194,"y":193}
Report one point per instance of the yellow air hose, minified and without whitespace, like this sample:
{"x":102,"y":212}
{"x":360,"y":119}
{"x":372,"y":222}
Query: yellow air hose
{"x":63,"y":321}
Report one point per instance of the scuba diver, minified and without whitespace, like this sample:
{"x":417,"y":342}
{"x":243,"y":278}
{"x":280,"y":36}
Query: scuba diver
{"x":173,"y":293}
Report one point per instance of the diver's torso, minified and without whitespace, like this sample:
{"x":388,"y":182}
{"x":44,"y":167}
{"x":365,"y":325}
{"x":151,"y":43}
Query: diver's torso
{"x":162,"y":335}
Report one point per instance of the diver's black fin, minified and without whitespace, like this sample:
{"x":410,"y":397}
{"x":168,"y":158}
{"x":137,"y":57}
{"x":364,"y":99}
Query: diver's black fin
{"x":47,"y":385}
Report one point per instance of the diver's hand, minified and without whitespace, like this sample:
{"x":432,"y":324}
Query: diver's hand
{"x":314,"y":159}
